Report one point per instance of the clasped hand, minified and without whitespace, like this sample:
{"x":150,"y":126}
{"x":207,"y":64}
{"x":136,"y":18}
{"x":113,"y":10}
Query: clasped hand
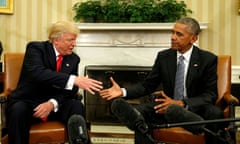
{"x":164,"y":102}
{"x":43,"y":110}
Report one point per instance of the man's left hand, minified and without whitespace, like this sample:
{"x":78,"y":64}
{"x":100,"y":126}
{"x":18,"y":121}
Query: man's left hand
{"x":165,"y":101}
{"x":43,"y":110}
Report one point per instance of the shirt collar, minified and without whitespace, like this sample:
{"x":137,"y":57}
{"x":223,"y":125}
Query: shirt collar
{"x":56,"y":52}
{"x":186,"y":55}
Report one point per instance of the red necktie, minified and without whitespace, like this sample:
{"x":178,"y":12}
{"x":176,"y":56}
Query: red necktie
{"x":44,"y":119}
{"x":59,"y":63}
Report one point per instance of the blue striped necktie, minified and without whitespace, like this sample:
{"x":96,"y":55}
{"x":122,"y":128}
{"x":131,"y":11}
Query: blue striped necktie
{"x":179,"y":79}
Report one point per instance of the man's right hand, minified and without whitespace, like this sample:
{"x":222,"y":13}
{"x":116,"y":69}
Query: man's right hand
{"x":164,"y":102}
{"x":88,"y":84}
{"x":112,"y":92}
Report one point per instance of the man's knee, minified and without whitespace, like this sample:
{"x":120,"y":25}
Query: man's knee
{"x":19,"y":109}
{"x":216,"y":113}
{"x":78,"y":107}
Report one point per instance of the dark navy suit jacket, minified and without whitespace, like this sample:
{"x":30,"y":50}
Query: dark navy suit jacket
{"x":201,"y":81}
{"x":39,"y":81}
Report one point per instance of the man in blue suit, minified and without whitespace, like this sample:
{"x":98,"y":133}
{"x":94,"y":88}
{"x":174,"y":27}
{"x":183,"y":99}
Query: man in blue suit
{"x":42,"y":92}
{"x":199,"y":91}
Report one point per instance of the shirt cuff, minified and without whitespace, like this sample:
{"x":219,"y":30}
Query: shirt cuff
{"x":124,"y":91}
{"x":70,"y":83}
{"x":185,"y":105}
{"x":55,"y":104}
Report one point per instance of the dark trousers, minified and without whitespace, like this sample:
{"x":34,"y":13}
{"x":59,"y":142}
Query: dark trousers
{"x":207,"y":112}
{"x":20,"y":118}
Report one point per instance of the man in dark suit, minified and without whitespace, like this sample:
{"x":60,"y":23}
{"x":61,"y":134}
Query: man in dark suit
{"x":42,"y":92}
{"x":199,"y":91}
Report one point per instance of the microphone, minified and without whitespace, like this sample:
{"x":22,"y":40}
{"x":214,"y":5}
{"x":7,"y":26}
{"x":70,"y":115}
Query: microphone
{"x":77,"y":130}
{"x":130,"y":116}
{"x":177,"y":114}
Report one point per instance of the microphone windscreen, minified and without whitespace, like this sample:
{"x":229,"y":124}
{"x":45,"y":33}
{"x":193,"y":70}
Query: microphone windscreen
{"x":130,"y":116}
{"x":177,"y":114}
{"x":126,"y":113}
{"x":77,"y":130}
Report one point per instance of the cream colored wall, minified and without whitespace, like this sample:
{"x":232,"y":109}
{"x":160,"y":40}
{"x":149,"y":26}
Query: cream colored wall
{"x":222,"y":36}
{"x":32,"y":17}
{"x":30,"y":21}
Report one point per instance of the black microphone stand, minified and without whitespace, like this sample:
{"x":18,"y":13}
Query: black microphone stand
{"x":197,"y":122}
{"x":205,"y":129}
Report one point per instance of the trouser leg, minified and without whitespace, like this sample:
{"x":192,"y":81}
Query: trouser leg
{"x":140,"y":138}
{"x":69,"y":108}
{"x":19,"y":122}
{"x":151,"y":118}
{"x":211,"y":112}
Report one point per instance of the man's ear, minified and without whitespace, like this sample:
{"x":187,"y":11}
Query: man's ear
{"x":194,"y":38}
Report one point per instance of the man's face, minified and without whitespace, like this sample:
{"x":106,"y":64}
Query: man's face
{"x":182,"y":39}
{"x":65,"y":44}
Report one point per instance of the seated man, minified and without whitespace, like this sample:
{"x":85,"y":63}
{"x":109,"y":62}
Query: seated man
{"x":48,"y":87}
{"x":188,"y":76}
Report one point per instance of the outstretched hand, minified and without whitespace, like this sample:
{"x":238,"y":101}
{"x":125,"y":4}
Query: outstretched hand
{"x":88,"y":84}
{"x":112,"y":92}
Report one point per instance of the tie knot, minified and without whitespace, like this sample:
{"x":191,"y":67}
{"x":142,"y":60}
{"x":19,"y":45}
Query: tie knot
{"x":181,"y":58}
{"x":59,"y":56}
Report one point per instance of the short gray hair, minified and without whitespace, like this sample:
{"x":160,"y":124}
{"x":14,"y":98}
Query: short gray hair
{"x":193,"y":25}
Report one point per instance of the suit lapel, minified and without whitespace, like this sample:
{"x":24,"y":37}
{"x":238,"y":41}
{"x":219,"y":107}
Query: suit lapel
{"x":172,"y":66}
{"x":193,"y":66}
{"x":51,"y":56}
{"x":67,"y":64}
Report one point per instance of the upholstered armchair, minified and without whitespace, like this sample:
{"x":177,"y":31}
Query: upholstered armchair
{"x":42,"y":132}
{"x":225,"y":101}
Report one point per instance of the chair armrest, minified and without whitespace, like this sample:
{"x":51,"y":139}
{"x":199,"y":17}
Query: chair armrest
{"x":3,"y":104}
{"x":3,"y":98}
{"x":4,"y":95}
{"x":231,"y":100}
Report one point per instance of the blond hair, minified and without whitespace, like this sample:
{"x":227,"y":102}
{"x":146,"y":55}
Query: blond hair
{"x":59,"y":28}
